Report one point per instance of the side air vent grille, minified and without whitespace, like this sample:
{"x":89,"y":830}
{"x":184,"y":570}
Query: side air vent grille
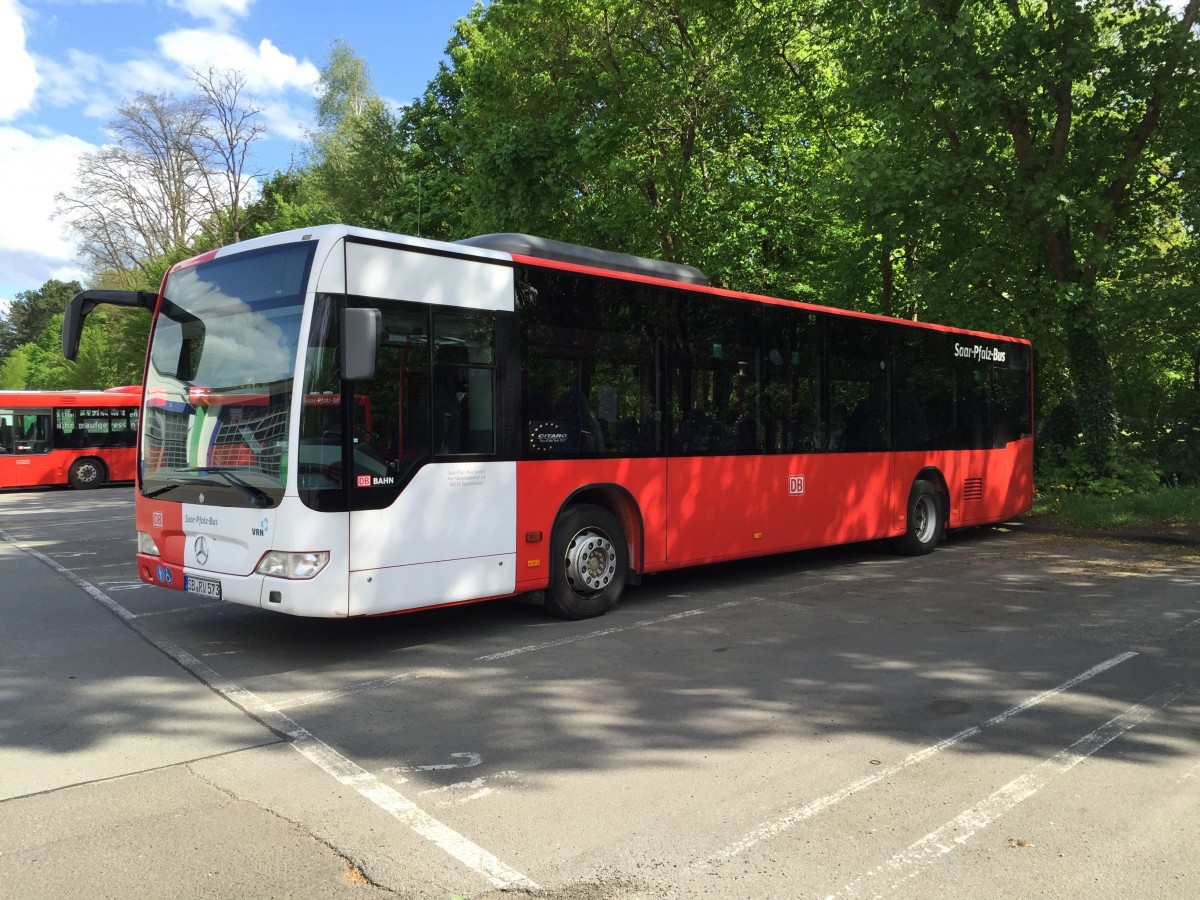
{"x":973,"y":489}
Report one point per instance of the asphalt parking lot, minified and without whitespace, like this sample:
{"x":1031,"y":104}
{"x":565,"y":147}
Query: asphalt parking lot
{"x":1015,"y":715}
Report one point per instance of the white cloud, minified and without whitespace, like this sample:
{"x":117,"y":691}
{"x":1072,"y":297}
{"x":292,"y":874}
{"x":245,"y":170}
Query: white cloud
{"x":70,"y":82}
{"x":221,"y":12}
{"x":38,"y":161}
{"x":273,"y":78}
{"x":18,"y":74}
{"x":33,"y":169}
{"x":287,"y":121}
{"x":268,"y":70}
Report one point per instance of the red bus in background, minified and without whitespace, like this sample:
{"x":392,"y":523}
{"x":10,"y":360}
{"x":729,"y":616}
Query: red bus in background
{"x":80,"y":438}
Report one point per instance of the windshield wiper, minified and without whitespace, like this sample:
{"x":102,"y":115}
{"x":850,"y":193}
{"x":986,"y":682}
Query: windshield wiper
{"x":162,"y":490}
{"x":258,"y":497}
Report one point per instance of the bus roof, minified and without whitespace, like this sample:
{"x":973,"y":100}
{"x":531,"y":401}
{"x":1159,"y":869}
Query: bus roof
{"x":533,"y":250}
{"x":558,"y":251}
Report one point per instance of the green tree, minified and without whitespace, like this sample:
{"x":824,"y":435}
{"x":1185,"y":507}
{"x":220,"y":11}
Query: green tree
{"x":288,"y":200}
{"x":14,"y":370}
{"x":32,"y":310}
{"x":112,"y":350}
{"x":1022,"y":154}
{"x":663,"y":128}
{"x":345,"y":87}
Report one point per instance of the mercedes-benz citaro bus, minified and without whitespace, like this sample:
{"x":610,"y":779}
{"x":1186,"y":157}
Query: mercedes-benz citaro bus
{"x":342,"y":422}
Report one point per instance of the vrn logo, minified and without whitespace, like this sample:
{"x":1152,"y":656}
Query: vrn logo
{"x":263,"y":527}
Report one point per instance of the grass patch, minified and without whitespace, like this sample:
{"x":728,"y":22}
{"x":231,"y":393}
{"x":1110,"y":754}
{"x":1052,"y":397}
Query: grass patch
{"x":1163,"y":510}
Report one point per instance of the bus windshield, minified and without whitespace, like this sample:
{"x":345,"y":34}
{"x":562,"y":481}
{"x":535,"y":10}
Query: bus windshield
{"x":219,"y":383}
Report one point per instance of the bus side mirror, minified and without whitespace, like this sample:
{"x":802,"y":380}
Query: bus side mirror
{"x":84,"y":302}
{"x":360,"y":343}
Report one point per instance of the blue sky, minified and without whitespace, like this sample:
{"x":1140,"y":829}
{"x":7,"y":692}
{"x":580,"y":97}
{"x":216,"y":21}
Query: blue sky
{"x":66,"y":65}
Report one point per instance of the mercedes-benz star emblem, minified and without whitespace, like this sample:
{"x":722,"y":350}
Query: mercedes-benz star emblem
{"x":201,"y":547}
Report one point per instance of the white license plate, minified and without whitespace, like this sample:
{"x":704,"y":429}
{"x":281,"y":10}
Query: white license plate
{"x":205,"y":587}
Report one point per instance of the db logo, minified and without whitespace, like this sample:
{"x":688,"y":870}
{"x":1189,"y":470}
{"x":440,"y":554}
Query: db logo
{"x":364,"y":481}
{"x":796,"y":484}
{"x":158,"y":520}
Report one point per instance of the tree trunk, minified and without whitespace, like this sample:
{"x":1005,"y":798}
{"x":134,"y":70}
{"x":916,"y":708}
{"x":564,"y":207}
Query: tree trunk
{"x":1092,"y":377}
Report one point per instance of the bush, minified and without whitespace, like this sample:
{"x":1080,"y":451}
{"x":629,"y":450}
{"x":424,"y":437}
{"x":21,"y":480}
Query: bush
{"x":1129,"y":471}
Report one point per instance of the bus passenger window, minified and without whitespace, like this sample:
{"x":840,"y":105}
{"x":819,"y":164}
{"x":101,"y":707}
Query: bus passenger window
{"x":464,"y":415}
{"x":32,"y":432}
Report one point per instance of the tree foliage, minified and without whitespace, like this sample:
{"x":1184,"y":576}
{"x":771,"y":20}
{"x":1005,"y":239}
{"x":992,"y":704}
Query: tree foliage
{"x":345,"y":88}
{"x":1022,"y":155}
{"x":1020,"y":166}
{"x":31,"y":312}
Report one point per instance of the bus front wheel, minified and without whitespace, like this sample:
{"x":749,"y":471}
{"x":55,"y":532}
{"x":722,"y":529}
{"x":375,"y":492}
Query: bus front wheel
{"x":589,"y":563}
{"x":925,"y":521}
{"x":86,"y":472}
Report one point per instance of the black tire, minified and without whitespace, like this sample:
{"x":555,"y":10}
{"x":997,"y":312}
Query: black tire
{"x":925,"y":520}
{"x":589,"y":563}
{"x":87,"y":472}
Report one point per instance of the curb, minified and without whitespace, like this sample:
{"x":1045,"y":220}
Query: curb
{"x":1133,"y":537}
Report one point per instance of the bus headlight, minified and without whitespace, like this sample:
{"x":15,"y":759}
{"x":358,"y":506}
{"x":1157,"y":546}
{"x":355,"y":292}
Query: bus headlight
{"x":281,"y":564}
{"x":146,"y":544}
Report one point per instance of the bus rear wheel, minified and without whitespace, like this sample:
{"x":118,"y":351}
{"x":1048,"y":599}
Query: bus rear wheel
{"x":589,"y":564}
{"x":924,"y":519}
{"x":87,"y":472}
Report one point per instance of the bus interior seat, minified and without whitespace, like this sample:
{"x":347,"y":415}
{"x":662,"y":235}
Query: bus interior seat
{"x":574,"y":415}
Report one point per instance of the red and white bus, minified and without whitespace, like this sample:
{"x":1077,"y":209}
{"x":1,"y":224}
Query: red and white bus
{"x":543,"y":418}
{"x":80,"y":438}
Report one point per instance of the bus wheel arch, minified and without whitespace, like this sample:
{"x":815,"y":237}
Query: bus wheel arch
{"x":87,"y":472}
{"x":926,"y":515}
{"x":591,"y":552}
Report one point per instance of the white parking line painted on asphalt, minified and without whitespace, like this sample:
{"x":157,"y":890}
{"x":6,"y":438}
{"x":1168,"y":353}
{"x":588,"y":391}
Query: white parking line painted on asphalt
{"x":505,"y":654}
{"x":468,"y":760}
{"x":885,"y":879}
{"x":799,"y":814}
{"x":128,"y":518}
{"x":344,"y":770}
{"x":162,"y":612}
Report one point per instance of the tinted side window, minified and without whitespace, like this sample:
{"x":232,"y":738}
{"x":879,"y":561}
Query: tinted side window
{"x":972,"y":397}
{"x":924,"y":386}
{"x":464,"y":382}
{"x":590,"y":385}
{"x":1012,"y":416}
{"x":858,"y":367}
{"x":793,"y":418}
{"x":716,"y":367}
{"x":26,"y":431}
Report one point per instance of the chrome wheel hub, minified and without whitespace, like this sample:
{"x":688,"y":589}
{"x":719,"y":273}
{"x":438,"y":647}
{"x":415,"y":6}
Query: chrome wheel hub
{"x":591,"y":562}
